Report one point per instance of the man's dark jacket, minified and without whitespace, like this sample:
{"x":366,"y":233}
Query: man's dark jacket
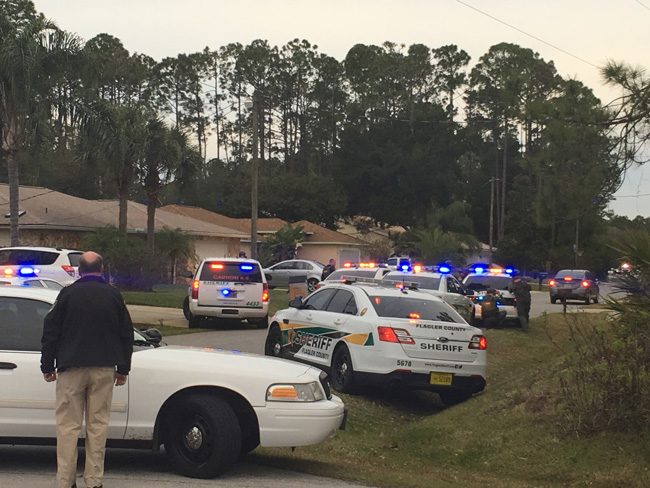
{"x":89,"y":326}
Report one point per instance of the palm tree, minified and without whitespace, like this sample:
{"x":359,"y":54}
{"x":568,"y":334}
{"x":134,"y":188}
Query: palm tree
{"x":28,"y":42}
{"x":175,"y":245}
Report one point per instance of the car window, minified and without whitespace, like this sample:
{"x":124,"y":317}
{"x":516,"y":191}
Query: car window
{"x":33,"y":283}
{"x":13,"y":257}
{"x":53,"y":285}
{"x":453,"y":286}
{"x":414,"y":308}
{"x":74,"y":258}
{"x":239,"y":272}
{"x":424,"y":282}
{"x":340,"y":302}
{"x":361,"y":273}
{"x":284,"y":266}
{"x":483,"y":282}
{"x":303,"y":265}
{"x":319,"y":300}
{"x":573,"y":273}
{"x":21,"y":323}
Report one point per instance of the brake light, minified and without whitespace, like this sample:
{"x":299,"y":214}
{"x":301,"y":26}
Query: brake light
{"x":585,"y":284}
{"x":216,"y":266}
{"x":195,"y":289}
{"x":68,"y":269}
{"x":567,"y":278}
{"x":265,"y":293}
{"x":478,"y":342}
{"x":388,"y":334}
{"x":551,"y":283}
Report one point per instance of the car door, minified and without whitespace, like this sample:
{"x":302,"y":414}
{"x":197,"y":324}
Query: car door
{"x":305,"y":323}
{"x":27,"y":402}
{"x":281,"y":273}
{"x":454,"y":297}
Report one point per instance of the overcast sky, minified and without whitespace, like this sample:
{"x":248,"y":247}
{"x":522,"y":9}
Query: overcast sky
{"x":592,"y":30}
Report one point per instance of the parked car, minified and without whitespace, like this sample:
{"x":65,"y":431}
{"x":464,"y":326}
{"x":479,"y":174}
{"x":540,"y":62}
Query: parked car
{"x":279,"y":274}
{"x":33,"y":281}
{"x":229,"y":288}
{"x":206,"y":406}
{"x":358,"y":271}
{"x":48,"y":262}
{"x":574,"y":284}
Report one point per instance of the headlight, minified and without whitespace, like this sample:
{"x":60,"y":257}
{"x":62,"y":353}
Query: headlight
{"x":309,"y":392}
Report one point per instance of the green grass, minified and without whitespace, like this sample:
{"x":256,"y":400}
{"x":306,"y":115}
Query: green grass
{"x":172,"y":297}
{"x":506,"y":437}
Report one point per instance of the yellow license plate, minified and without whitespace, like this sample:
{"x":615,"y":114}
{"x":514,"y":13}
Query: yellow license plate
{"x":440,"y":378}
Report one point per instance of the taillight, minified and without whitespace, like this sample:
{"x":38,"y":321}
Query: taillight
{"x":478,"y":342}
{"x":567,"y":278}
{"x":68,"y":269}
{"x":551,"y":283}
{"x":388,"y":334}
{"x":265,"y":293}
{"x":585,"y":284}
{"x":195,"y":289}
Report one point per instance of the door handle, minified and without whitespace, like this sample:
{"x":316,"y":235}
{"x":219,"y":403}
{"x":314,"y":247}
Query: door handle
{"x":337,"y":322}
{"x":310,"y":317}
{"x":8,"y":365}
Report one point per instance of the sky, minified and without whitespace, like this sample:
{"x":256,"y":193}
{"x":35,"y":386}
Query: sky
{"x":578,"y":35}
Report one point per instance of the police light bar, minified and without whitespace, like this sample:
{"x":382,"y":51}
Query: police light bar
{"x":510,"y":270}
{"x":28,"y":271}
{"x":417,"y":268}
{"x":444,"y":268}
{"x":405,"y":268}
{"x":246,"y":267}
{"x":226,"y":292}
{"x":496,"y":269}
{"x":216,"y":266}
{"x":347,"y":265}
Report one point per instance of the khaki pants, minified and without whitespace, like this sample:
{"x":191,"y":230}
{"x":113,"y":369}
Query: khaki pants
{"x":80,"y":390}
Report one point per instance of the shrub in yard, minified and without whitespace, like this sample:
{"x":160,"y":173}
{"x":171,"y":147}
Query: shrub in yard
{"x":606,"y":383}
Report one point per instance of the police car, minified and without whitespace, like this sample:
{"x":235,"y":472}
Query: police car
{"x":360,"y":270}
{"x":366,"y":332}
{"x":441,"y":284}
{"x":484,"y":277}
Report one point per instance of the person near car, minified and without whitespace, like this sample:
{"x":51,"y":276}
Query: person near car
{"x":328,"y":269}
{"x":87,"y":345}
{"x":521,"y":291}
{"x":242,"y":254}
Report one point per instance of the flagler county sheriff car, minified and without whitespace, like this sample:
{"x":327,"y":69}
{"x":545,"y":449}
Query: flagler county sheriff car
{"x":206,"y":406}
{"x":372,"y":332}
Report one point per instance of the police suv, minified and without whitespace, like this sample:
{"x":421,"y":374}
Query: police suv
{"x":483,"y":278}
{"x":374,"y":333}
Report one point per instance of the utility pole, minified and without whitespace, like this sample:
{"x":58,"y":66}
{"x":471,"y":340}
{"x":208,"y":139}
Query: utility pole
{"x":254,"y":174}
{"x":577,"y":243}
{"x":491,"y":215}
{"x":502,"y":222}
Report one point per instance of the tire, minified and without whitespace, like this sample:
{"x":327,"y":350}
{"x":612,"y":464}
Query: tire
{"x":454,"y":397}
{"x":587,"y":300}
{"x":262,"y":323}
{"x":342,"y":372}
{"x":194,"y":321}
{"x":273,"y":343}
{"x":202,"y":436}
{"x":311,"y":284}
{"x":186,"y":308}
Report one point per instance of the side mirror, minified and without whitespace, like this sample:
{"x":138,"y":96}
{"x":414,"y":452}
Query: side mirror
{"x":153,"y":335}
{"x":268,"y":277}
{"x":468,"y":293}
{"x":296,"y":303}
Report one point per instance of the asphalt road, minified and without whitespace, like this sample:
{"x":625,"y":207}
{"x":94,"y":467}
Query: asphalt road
{"x":34,"y":467}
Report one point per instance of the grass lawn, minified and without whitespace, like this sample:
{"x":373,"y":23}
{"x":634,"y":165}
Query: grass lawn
{"x":506,"y":437}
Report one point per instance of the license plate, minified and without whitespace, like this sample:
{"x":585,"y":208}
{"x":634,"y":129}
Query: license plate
{"x":440,"y":378}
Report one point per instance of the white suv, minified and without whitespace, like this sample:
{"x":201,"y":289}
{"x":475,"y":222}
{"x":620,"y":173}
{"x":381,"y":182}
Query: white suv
{"x":229,"y":288}
{"x":58,"y":264}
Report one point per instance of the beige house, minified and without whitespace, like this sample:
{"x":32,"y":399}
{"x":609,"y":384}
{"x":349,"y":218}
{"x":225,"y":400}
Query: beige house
{"x":55,"y":219}
{"x":320,"y":244}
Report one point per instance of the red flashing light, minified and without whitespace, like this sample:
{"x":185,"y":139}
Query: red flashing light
{"x":478,"y":342}
{"x":265,"y":293}
{"x":216,"y":266}
{"x":417,"y":268}
{"x":552,"y":283}
{"x":347,"y":265}
{"x":414,"y":315}
{"x":195,"y":289}
{"x":585,"y":284}
{"x":68,"y":269}
{"x":568,"y":278}
{"x":8,"y":271}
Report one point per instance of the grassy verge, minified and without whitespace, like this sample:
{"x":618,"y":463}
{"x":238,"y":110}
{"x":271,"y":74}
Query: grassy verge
{"x":506,"y":437}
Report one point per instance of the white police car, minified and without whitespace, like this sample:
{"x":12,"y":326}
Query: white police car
{"x":374,"y":333}
{"x":484,"y":277}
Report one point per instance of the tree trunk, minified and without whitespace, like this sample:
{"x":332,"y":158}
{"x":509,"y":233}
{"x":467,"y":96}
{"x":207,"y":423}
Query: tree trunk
{"x":124,"y":207}
{"x":152,"y":200}
{"x":14,"y":197}
{"x":503,"y":179}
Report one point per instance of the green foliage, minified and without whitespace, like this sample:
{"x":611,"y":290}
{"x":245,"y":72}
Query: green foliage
{"x":282,"y":245}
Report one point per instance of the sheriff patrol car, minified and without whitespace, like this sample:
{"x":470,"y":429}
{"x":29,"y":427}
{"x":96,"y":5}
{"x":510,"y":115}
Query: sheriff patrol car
{"x":483,"y":278}
{"x":374,"y":333}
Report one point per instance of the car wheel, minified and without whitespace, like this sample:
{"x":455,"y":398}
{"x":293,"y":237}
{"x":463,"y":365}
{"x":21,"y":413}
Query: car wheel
{"x":273,"y":344}
{"x":194,"y":321}
{"x":203,"y":437}
{"x":312,"y":283}
{"x":587,"y":300}
{"x":262,"y":323}
{"x":342,"y":372}
{"x":186,"y":308}
{"x":454,"y":397}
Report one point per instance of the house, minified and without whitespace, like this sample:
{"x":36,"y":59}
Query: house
{"x":55,"y":219}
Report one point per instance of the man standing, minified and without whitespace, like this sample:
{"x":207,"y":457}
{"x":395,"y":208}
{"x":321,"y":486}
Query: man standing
{"x":329,"y":269}
{"x":521,"y":290}
{"x":87,"y":345}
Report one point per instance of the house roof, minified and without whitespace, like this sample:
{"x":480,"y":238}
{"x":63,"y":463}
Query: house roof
{"x":264,"y":225}
{"x":317,"y":234}
{"x":49,"y":209}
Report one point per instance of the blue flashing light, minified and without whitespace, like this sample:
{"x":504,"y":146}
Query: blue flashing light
{"x":246,"y":267}
{"x":510,"y":270}
{"x":405,"y":268}
{"x":444,"y":269}
{"x":27,"y":271}
{"x":226,"y":292}
{"x":479,"y":270}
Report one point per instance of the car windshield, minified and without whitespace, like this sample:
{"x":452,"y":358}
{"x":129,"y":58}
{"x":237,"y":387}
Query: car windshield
{"x":573,"y":273}
{"x":483,"y":282}
{"x":361,"y":273}
{"x":414,"y":308}
{"x":14,"y":257}
{"x":424,"y":282}
{"x":238,"y":271}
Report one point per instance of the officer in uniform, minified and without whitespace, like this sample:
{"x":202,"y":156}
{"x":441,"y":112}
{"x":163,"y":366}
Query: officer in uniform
{"x":521,"y":290}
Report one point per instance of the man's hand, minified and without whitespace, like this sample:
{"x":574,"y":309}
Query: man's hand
{"x":49,"y":377}
{"x":120,"y":379}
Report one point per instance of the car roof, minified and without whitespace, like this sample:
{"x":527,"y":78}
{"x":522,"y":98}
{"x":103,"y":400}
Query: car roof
{"x":34,"y":248}
{"x":378,"y":289}
{"x":42,"y":294}
{"x":500,"y":275}
{"x":232,"y":260}
{"x":426,"y":274}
